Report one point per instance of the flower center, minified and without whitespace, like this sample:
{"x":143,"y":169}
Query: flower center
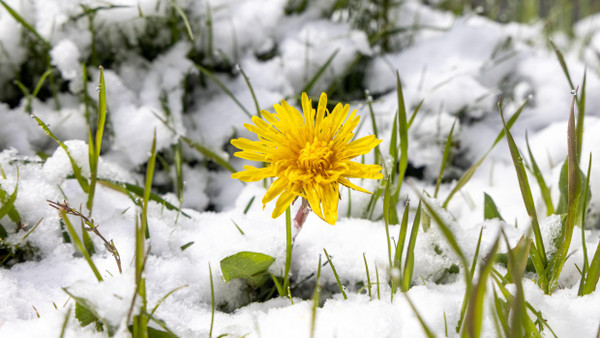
{"x":315,"y":157}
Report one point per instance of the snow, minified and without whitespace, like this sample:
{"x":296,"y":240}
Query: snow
{"x":459,"y":66}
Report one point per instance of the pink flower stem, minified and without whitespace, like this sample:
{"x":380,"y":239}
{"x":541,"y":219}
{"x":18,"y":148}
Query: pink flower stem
{"x":300,"y":217}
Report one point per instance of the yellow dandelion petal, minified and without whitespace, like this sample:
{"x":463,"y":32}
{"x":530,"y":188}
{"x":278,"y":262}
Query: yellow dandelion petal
{"x":310,"y":154}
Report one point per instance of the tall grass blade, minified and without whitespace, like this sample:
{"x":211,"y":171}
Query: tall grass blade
{"x":563,"y":64}
{"x":368,"y":276}
{"x":337,"y":277}
{"x":574,"y":191}
{"x":409,"y":264}
{"x":76,"y":169}
{"x":586,"y":266}
{"x":386,"y":217}
{"x":79,"y":246}
{"x":474,"y":318}
{"x":403,"y":131}
{"x":228,"y":92}
{"x":525,"y":190}
{"x":212,"y":301}
{"x":256,"y":105}
{"x":580,"y":116}
{"x":444,"y":159}
{"x":184,"y":18}
{"x":95,"y":155}
{"x":469,"y":173}
{"x":401,"y":237}
{"x":319,"y":72}
{"x":315,"y":299}
{"x":25,"y":24}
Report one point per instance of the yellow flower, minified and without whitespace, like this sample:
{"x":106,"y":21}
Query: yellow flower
{"x":310,"y":155}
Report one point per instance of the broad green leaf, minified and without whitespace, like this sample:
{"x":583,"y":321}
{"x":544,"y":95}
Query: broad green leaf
{"x":251,"y":266}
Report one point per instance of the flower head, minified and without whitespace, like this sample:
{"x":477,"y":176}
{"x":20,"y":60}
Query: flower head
{"x":310,"y":155}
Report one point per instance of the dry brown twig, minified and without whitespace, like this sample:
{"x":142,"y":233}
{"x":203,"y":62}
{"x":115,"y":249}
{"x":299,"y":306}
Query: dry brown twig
{"x":110,"y":245}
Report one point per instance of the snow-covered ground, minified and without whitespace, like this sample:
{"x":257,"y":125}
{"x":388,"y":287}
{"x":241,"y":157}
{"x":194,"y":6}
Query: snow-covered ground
{"x":459,"y":66}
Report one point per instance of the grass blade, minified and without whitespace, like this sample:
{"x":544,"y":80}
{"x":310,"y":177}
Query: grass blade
{"x":315,"y":299}
{"x":490,"y":211}
{"x":574,"y":192}
{"x":251,"y":90}
{"x":444,"y":159}
{"x":474,"y":318}
{"x":469,"y":173}
{"x":337,"y":277}
{"x":426,"y":328}
{"x":410,"y":251}
{"x":95,"y":155}
{"x":319,"y":72}
{"x":525,"y":189}
{"x":212,"y":301}
{"x":368,"y":276}
{"x":209,"y":154}
{"x":79,"y":246}
{"x":25,"y":24}
{"x":210,"y":75}
{"x":585,"y":268}
{"x":402,"y":237}
{"x":403,"y":132}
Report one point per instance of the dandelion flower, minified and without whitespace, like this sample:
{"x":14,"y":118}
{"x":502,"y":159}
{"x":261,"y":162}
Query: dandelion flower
{"x":310,"y":154}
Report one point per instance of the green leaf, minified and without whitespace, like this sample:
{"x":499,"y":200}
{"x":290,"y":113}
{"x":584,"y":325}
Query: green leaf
{"x":84,"y":316}
{"x":251,"y":266}
{"x":490,"y":211}
{"x":155,"y":333}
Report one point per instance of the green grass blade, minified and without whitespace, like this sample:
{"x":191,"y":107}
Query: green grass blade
{"x":76,"y":169}
{"x":209,"y":154}
{"x":545,"y":191}
{"x":410,"y":251}
{"x":444,"y":159}
{"x":474,"y":318}
{"x":368,"y":276}
{"x":211,"y":76}
{"x":525,"y":189}
{"x":465,"y":301}
{"x":289,"y":242}
{"x":386,"y":217}
{"x":401,"y":237}
{"x":184,"y":18}
{"x":79,"y":246}
{"x":490,"y":211}
{"x":574,"y":191}
{"x":337,"y":277}
{"x":426,"y":328}
{"x":580,"y":116}
{"x":160,"y":301}
{"x":563,"y":64}
{"x":593,"y":274}
{"x":40,"y":83}
{"x":9,"y":204}
{"x":414,"y":114}
{"x":212,"y":301}
{"x":95,"y":155}
{"x":403,"y":131}
{"x":315,"y":299}
{"x":25,"y":24}
{"x":256,"y":105}
{"x":585,"y":267}
{"x":469,"y":173}
{"x":319,"y":72}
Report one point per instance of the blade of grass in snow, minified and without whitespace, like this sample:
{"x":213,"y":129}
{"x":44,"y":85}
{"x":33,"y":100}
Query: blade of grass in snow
{"x":63,"y":329}
{"x":525,"y":191}
{"x":208,"y":153}
{"x":377,"y":281}
{"x":210,"y":75}
{"x":401,"y":237}
{"x":76,"y":169}
{"x":463,"y":307}
{"x":368,"y":276}
{"x":386,"y":217}
{"x":212,"y":301}
{"x":545,"y":191}
{"x":319,"y":72}
{"x":490,"y":211}
{"x":444,"y":159}
{"x":403,"y":132}
{"x":337,"y":277}
{"x":79,"y":246}
{"x":288,"y":247}
{"x":184,"y":18}
{"x":586,"y":266}
{"x":426,"y":328}
{"x":25,"y":24}
{"x":563,"y":64}
{"x":410,"y":251}
{"x":414,"y":114}
{"x":580,"y":116}
{"x":160,"y":301}
{"x":315,"y":299}
{"x":8,"y":205}
{"x":251,"y":90}
{"x":469,"y":173}
{"x":249,"y":205}
{"x":133,"y":190}
{"x":94,"y":155}
{"x":474,"y":318}
{"x":574,"y":192}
